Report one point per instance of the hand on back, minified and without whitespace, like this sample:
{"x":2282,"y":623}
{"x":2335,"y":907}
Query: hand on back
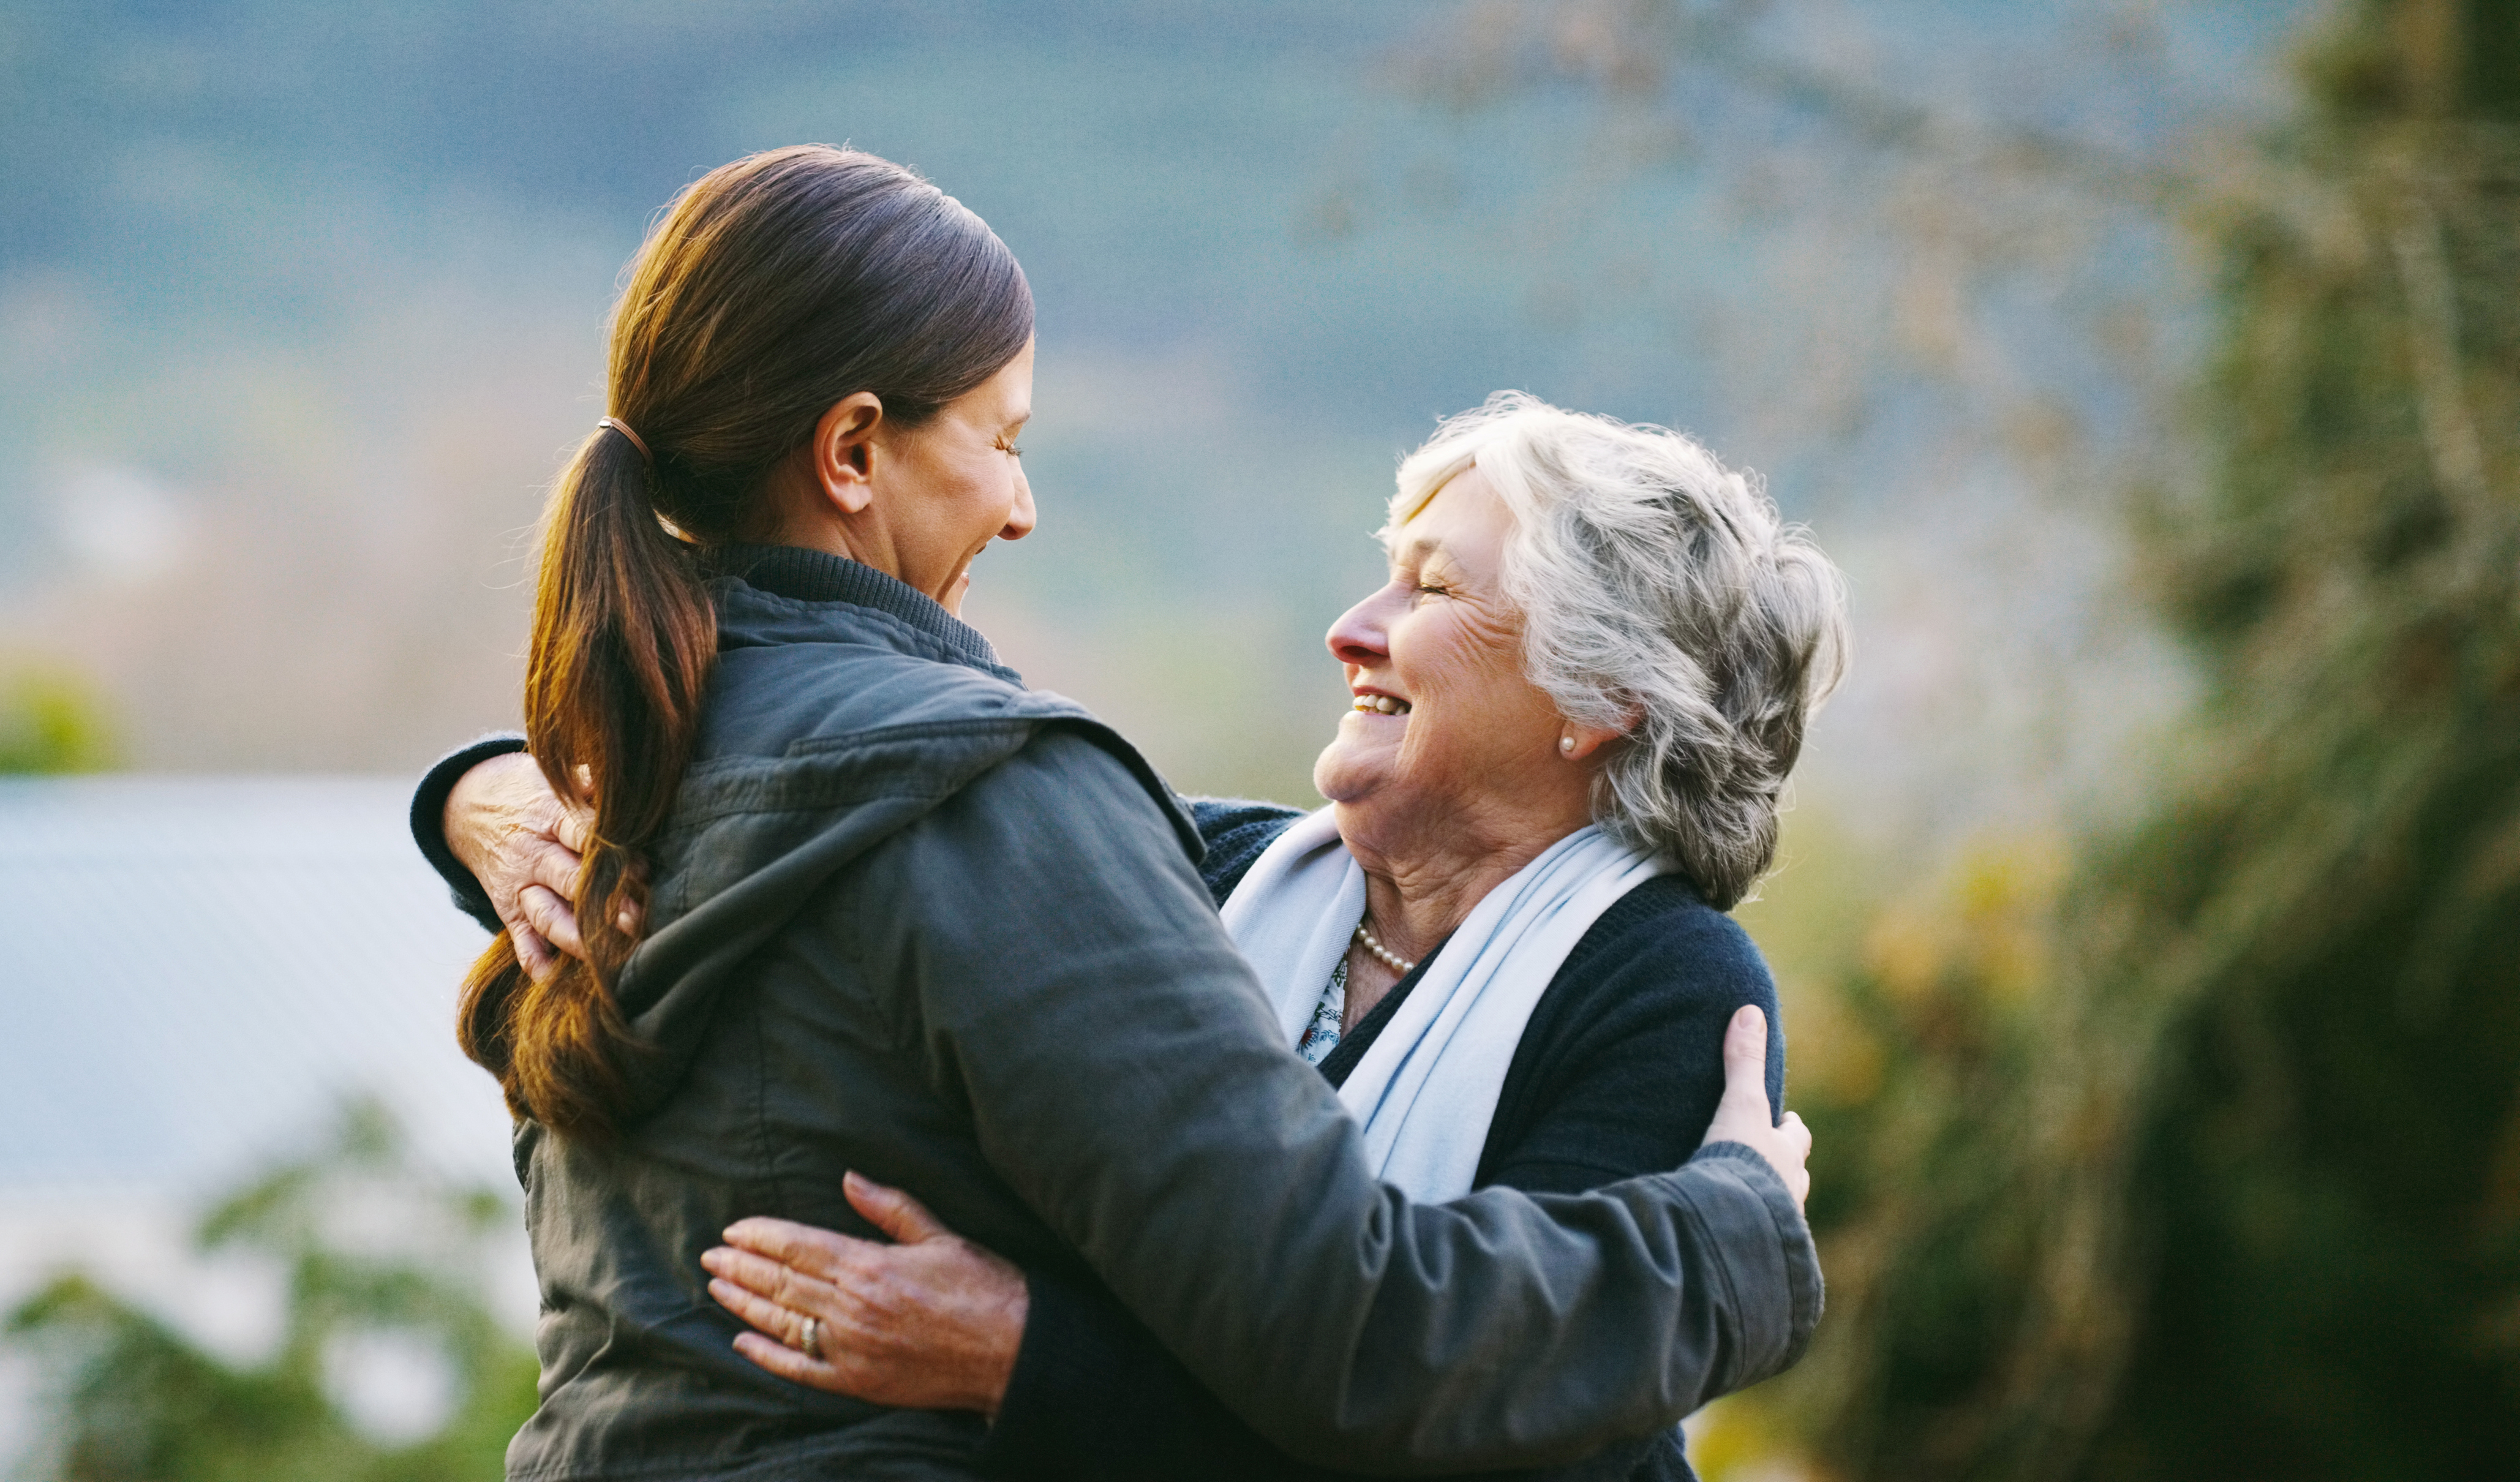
{"x":522,"y":843}
{"x":930,"y":1322}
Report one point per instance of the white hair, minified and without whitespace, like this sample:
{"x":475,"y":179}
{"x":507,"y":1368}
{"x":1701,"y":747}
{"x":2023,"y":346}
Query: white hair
{"x":1661,"y":595}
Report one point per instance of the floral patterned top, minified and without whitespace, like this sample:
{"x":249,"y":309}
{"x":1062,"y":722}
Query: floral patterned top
{"x":1322,"y":1035}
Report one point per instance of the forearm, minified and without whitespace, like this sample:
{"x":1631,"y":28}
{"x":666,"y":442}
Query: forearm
{"x":1488,"y":1335}
{"x":429,"y":822}
{"x":1629,"y":1310}
{"x":1125,"y":1078}
{"x":1620,"y":1083}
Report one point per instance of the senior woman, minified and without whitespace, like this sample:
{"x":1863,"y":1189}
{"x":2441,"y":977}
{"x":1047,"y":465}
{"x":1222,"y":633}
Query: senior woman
{"x":1576,"y":701}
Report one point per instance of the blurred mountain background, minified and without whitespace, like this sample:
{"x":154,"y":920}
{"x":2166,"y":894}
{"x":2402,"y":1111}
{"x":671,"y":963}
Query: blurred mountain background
{"x":301,"y":304}
{"x":2150,"y":909}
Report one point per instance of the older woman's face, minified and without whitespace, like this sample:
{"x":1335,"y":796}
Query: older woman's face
{"x":1445,"y":720}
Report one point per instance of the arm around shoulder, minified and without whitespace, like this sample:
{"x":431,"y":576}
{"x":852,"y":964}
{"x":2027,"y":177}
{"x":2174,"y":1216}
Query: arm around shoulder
{"x":1125,"y":1077}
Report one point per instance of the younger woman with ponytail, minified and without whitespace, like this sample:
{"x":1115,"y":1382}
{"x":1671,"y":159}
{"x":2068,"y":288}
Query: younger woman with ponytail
{"x":856,"y":901}
{"x":751,"y":340}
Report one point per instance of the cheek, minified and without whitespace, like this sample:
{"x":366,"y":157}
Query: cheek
{"x":1458,"y":662}
{"x":980,"y":494}
{"x":1481,"y":702}
{"x":996,"y":480}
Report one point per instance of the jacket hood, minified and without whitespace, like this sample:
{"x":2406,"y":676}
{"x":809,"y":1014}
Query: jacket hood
{"x":845,"y":705}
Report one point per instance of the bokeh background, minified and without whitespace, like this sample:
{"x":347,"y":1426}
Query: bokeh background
{"x":2149,"y":915}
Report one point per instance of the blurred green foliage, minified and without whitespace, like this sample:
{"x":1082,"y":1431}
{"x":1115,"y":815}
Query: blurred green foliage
{"x":2200,"y":1156}
{"x":2189,"y":1146}
{"x":2316,"y":942}
{"x":51,"y":723}
{"x":371,"y":1244}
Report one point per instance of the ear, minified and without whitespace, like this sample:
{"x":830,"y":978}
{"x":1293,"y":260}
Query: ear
{"x":841,"y":456}
{"x":1576,"y":743}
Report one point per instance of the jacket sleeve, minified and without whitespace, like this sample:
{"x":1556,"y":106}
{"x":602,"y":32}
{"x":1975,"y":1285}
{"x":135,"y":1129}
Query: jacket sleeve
{"x":1617,"y":1076}
{"x":429,"y":822}
{"x":1063,"y":972}
{"x":1095,"y":1397}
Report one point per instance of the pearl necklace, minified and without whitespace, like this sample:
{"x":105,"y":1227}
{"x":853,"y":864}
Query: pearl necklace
{"x":1383,"y":955}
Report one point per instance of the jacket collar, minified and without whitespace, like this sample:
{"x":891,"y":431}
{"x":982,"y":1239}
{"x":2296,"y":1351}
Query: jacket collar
{"x":803,"y":575}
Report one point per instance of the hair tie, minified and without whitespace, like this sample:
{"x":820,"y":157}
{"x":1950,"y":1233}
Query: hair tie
{"x":636,"y":441}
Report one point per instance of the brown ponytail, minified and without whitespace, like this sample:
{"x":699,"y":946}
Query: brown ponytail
{"x":775,"y":287}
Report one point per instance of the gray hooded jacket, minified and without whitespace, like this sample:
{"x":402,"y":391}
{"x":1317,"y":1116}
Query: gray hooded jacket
{"x":914,"y":919}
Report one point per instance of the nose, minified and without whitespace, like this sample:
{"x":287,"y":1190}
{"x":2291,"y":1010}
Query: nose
{"x":1362,"y":636}
{"x":1022,"y":516}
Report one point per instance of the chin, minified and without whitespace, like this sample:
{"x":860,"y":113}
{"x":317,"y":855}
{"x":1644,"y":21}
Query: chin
{"x":1344,"y":772}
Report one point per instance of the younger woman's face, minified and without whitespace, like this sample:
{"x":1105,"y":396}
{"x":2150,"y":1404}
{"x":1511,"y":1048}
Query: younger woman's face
{"x":954,"y":483}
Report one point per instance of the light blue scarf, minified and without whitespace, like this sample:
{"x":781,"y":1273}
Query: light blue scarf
{"x":1426,"y":1090}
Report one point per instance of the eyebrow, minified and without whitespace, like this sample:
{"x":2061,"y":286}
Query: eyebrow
{"x":1423,"y":545}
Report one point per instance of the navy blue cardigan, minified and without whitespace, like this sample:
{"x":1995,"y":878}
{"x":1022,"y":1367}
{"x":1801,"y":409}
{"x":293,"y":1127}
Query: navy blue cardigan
{"x":1618,"y":1073}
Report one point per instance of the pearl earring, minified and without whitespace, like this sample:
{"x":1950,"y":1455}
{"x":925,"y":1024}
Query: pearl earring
{"x":1565,"y":743}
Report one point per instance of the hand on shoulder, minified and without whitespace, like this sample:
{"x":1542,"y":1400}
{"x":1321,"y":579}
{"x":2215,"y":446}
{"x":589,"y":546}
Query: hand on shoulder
{"x":1742,"y":1115}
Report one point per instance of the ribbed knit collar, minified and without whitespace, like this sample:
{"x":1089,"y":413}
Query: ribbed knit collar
{"x":803,"y":575}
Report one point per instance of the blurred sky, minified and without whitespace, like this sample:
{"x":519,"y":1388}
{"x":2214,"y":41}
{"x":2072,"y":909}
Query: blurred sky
{"x":301,"y":303}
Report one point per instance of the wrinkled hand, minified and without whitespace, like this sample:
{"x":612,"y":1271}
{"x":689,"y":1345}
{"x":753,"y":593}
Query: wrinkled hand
{"x":932,"y":1322}
{"x":1742,"y":1115}
{"x":522,"y":843}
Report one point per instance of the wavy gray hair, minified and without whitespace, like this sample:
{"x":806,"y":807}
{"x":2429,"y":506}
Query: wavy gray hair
{"x":1661,"y":595}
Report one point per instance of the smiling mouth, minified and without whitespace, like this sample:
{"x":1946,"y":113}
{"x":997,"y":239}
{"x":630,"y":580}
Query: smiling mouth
{"x":1380,"y":704}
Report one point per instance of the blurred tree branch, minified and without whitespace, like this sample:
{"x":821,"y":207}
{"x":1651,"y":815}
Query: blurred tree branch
{"x":2221,"y":1184}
